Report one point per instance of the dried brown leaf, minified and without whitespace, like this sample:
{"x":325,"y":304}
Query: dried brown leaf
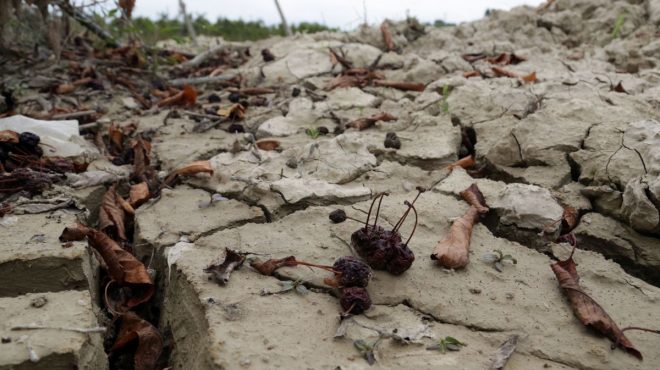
{"x":221,"y":272}
{"x":365,"y":123}
{"x":473,"y":57}
{"x":111,"y":214}
{"x":188,"y":170}
{"x":267,"y":144}
{"x":268,"y":267}
{"x":74,"y":233}
{"x":123,"y":267}
{"x":150,"y":342}
{"x":139,"y":194}
{"x":530,"y":78}
{"x":465,"y":162}
{"x":235,"y":112}
{"x":65,"y":88}
{"x":501,"y":72}
{"x":387,"y":36}
{"x":586,"y":309}
{"x":400,"y":85}
{"x":473,"y":196}
{"x":569,"y":219}
{"x":469,"y":74}
{"x":619,"y":88}
{"x":453,"y":250}
{"x":9,"y":136}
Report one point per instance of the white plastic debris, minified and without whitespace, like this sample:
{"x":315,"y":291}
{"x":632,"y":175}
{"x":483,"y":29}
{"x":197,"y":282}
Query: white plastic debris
{"x":60,"y":138}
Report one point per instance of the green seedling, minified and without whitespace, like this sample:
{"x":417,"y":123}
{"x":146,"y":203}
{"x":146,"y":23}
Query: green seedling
{"x":445,"y":96}
{"x":497,"y":259}
{"x":313,"y":132}
{"x":367,"y":349}
{"x":447,"y":344}
{"x":618,"y":24}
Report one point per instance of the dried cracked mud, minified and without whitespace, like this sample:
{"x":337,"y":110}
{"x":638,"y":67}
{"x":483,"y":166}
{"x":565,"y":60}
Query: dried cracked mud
{"x":568,"y":139}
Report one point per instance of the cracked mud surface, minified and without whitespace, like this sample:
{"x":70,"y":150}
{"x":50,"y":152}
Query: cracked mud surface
{"x":569,"y":139}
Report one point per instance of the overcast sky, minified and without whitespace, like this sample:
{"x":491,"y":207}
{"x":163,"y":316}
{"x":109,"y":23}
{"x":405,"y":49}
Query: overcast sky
{"x":345,"y":14}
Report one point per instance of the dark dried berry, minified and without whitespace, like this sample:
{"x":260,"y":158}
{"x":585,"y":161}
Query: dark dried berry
{"x":267,"y":55}
{"x":352,"y":271}
{"x":323,"y":130}
{"x":245,"y":103}
{"x":295,"y":92}
{"x":28,"y":139}
{"x":214,"y":98}
{"x":392,"y":141}
{"x":402,"y":259}
{"x":355,"y":300}
{"x":234,"y":97}
{"x":235,"y":127}
{"x":337,"y":216}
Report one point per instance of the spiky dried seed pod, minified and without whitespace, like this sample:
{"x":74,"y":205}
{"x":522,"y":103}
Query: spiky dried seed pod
{"x":355,"y":300}
{"x":352,"y":272}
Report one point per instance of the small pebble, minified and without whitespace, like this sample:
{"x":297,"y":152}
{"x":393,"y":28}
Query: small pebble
{"x":38,"y":302}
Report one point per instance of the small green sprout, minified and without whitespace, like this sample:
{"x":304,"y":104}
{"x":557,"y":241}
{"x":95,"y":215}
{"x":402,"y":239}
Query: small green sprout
{"x":367,"y":350}
{"x":447,"y":344}
{"x":445,"y":96}
{"x":618,"y":24}
{"x":497,"y":258}
{"x":313,"y":132}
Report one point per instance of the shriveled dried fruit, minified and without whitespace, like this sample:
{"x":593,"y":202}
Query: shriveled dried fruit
{"x":354,"y":300}
{"x":383,"y":249}
{"x":352,"y":272}
{"x":338,"y":216}
{"x":392,"y":141}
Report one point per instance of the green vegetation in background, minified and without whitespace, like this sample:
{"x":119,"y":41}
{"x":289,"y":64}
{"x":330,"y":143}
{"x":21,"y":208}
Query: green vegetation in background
{"x":163,"y":28}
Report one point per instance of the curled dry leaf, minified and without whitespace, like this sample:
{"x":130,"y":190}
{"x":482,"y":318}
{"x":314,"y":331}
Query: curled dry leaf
{"x":619,"y":88}
{"x":506,"y":58}
{"x":365,"y":123}
{"x":387,"y":36}
{"x":465,"y":162}
{"x":234,"y":112}
{"x":473,"y":57}
{"x":9,"y":136}
{"x":473,"y":196}
{"x":267,"y":144}
{"x":150,"y":342}
{"x":73,"y":233}
{"x":469,"y":74}
{"x":268,"y":267}
{"x":123,"y":267}
{"x":139,"y":194}
{"x":501,"y":72}
{"x":255,"y":91}
{"x":452,"y":251}
{"x":191,"y":169}
{"x":222,"y":272}
{"x":504,"y":352}
{"x":569,"y":219}
{"x":400,"y":85}
{"x":111,"y":214}
{"x":530,"y":78}
{"x":585,"y":308}
{"x":141,"y":161}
